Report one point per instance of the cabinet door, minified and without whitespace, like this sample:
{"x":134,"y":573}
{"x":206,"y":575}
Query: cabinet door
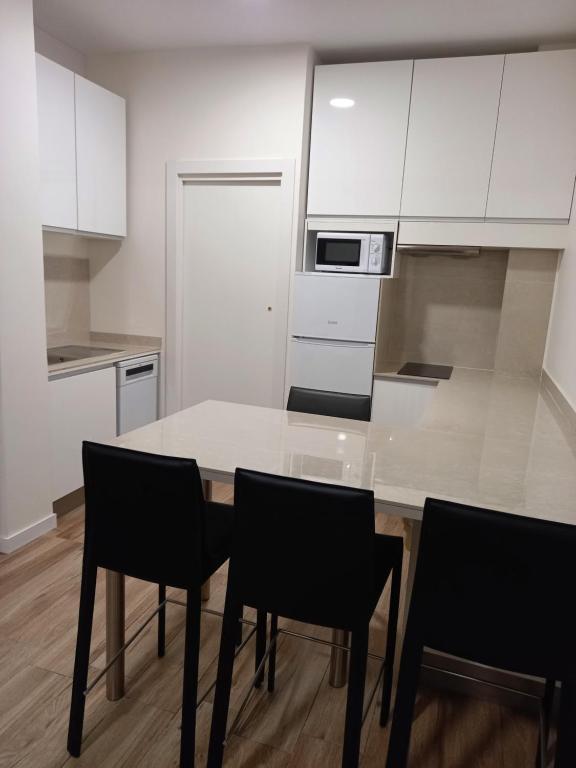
{"x":82,"y":407}
{"x":57,"y":144}
{"x":535,"y":152}
{"x":357,"y":153}
{"x":453,"y":115}
{"x":101,"y":159}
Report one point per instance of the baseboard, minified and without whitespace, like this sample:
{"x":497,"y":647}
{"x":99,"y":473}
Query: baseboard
{"x":559,"y":400}
{"x":11,"y":543}
{"x":69,"y":502}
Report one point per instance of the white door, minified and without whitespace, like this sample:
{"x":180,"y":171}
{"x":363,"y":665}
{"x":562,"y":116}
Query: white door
{"x":101,"y":159}
{"x":453,"y":116}
{"x":335,"y":307}
{"x":357,"y":151}
{"x":333,"y":366}
{"x":535,"y":152}
{"x":235,"y":283}
{"x":57,"y":139}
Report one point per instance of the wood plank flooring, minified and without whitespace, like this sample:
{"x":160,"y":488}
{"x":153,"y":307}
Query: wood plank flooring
{"x":300,"y":725}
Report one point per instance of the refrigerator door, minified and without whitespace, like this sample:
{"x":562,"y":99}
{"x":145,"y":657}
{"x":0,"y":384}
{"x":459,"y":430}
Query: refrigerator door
{"x":334,"y":366}
{"x":335,"y":307}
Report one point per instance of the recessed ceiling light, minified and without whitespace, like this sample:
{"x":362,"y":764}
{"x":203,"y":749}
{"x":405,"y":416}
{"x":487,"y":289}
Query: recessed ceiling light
{"x":341,"y":436}
{"x":342,"y":103}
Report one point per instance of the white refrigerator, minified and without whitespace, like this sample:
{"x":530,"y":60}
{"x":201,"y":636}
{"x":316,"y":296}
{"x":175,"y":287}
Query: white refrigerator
{"x":334,"y":321}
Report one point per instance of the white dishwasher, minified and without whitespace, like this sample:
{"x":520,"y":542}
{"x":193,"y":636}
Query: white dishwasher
{"x":137,"y":393}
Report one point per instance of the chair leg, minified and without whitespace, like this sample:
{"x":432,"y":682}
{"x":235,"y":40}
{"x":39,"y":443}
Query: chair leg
{"x":190,"y":683}
{"x":566,"y":739}
{"x":232,"y":612}
{"x":399,"y":745}
{"x":391,"y":643}
{"x":161,"y":621}
{"x":261,"y":620}
{"x":355,"y":699}
{"x":544,"y":730}
{"x":80,"y":679}
{"x":239,"y":629}
{"x":272,"y":656}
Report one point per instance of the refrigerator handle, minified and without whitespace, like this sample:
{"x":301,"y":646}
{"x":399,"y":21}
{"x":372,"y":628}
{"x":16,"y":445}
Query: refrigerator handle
{"x":332,"y":342}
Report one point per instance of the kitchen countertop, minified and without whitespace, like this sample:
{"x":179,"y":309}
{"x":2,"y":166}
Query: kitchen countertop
{"x":485,"y":438}
{"x":124,"y":352}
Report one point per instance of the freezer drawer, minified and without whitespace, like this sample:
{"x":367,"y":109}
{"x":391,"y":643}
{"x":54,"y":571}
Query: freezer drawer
{"x":335,"y":307}
{"x":333,"y":366}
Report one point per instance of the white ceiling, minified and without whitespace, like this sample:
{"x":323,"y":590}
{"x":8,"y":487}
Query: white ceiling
{"x":359,"y":27}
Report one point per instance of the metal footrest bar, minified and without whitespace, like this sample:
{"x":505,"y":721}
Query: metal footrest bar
{"x":504,"y":688}
{"x":238,"y":650}
{"x":117,"y":655}
{"x":250,"y":688}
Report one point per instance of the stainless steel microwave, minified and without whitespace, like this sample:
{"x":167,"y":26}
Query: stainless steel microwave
{"x":363,"y":252}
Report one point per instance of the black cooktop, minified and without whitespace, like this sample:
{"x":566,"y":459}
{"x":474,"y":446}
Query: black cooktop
{"x":427,"y":370}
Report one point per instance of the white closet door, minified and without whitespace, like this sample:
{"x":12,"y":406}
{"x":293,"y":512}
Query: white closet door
{"x":57,"y":138}
{"x":453,"y":116}
{"x":535,"y":152}
{"x":357,"y":153}
{"x":236,"y":268}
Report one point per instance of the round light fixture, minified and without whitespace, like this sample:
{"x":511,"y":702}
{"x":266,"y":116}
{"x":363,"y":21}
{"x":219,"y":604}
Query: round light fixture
{"x":342,"y":103}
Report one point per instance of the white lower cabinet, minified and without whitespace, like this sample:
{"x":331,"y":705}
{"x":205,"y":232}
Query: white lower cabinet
{"x":82,"y":407}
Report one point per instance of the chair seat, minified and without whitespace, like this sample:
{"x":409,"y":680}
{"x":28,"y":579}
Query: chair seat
{"x":218,"y":527}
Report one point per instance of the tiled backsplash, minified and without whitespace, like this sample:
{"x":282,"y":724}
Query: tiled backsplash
{"x":487,"y":311}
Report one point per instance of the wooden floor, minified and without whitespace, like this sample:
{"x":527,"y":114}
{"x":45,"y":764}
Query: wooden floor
{"x":299,"y":726}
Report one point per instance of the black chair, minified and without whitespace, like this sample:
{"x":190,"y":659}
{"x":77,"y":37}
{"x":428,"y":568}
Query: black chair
{"x":495,"y":589}
{"x":146,"y":517}
{"x":323,"y":403}
{"x":308,"y":551}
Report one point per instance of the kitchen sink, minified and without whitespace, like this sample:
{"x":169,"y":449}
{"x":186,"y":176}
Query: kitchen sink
{"x":74,"y":352}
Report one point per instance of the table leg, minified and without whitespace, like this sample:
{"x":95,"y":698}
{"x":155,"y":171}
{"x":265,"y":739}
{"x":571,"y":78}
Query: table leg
{"x":114,"y":634}
{"x":339,"y":659}
{"x":207,"y":489}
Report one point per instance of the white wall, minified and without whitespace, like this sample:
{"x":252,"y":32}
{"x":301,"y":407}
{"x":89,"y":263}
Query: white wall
{"x":25,"y":509}
{"x":185,"y":105}
{"x":560,"y":358}
{"x":59,"y":52}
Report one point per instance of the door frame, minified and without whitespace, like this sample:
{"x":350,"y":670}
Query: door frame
{"x":177,"y":174}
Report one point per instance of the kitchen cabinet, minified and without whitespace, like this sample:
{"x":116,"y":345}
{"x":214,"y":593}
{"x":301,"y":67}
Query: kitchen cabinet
{"x":100,"y":158}
{"x":82,"y":144}
{"x":534,"y":162}
{"x":82,"y":407}
{"x":357,"y":151}
{"x":57,"y":144}
{"x":453,"y":114}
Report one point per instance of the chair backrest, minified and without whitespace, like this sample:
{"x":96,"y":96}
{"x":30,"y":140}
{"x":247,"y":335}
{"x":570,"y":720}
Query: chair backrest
{"x":497,"y":589}
{"x":302,"y":549}
{"x":323,"y":403}
{"x":144,"y":514}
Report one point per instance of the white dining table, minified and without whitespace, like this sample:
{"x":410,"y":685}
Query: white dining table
{"x":486,"y":439}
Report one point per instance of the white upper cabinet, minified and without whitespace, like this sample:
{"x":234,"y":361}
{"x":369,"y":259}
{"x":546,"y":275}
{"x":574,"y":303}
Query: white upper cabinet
{"x":358,"y":139}
{"x":57,"y":141}
{"x":453,"y":115}
{"x":535,"y":153}
{"x":101,"y":159}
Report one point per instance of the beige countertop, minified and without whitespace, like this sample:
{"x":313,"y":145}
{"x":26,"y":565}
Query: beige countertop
{"x":488,"y":439}
{"x":123,"y":351}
